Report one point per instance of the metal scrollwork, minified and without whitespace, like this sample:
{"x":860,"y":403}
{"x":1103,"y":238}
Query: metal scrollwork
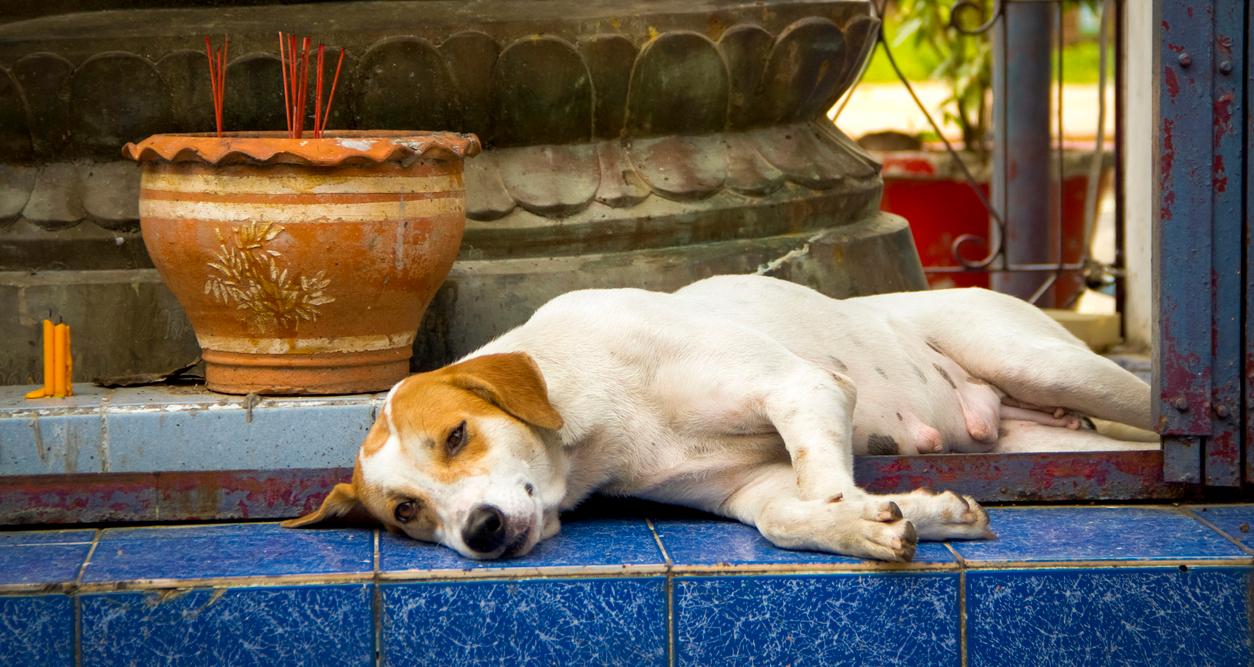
{"x":986,"y":19}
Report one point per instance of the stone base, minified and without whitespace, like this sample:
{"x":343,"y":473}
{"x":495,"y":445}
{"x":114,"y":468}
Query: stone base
{"x":481,"y":299}
{"x":126,"y":321}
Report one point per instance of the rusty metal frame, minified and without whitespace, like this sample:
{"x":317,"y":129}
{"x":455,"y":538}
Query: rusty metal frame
{"x":272,"y":494}
{"x":1198,"y":238}
{"x":1204,"y":342}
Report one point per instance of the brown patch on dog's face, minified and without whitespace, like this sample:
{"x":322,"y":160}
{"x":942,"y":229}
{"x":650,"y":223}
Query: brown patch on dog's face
{"x":429,"y":411}
{"x":376,"y":437}
{"x":407,"y":512}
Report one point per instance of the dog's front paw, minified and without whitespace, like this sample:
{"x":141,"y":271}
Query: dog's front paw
{"x":885,"y":534}
{"x":946,"y":516}
{"x":882,"y":534}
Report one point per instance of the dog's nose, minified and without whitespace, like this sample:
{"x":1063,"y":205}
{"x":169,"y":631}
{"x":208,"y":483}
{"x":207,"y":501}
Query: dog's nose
{"x":485,"y":529}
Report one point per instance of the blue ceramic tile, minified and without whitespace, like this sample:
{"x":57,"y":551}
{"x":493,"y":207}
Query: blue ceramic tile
{"x":295,"y":625}
{"x":1133,"y":616}
{"x":716,"y":542}
{"x":594,"y":542}
{"x":51,"y":444}
{"x":36,"y":630}
{"x":233,"y":550}
{"x":43,"y":565}
{"x":26,"y":537}
{"x":145,"y":439}
{"x":1096,"y":533}
{"x":883,"y":618}
{"x":1236,"y":520}
{"x":526,"y":622}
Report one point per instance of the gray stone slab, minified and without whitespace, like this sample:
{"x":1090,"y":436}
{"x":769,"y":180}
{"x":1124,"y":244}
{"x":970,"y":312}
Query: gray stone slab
{"x":159,"y":437}
{"x":51,"y":444}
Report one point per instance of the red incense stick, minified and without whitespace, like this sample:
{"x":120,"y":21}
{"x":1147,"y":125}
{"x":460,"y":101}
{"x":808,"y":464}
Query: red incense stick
{"x":295,"y":63}
{"x":217,"y":77}
{"x":287,"y":104}
{"x":331,"y":98}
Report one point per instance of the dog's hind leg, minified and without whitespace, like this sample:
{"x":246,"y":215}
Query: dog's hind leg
{"x":1023,"y":352}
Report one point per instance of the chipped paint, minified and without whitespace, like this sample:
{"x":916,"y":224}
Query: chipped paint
{"x":175,"y":496}
{"x":1166,"y":160}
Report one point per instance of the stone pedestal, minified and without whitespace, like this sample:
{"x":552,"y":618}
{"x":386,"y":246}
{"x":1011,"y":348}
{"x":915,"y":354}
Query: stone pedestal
{"x":643,"y":147}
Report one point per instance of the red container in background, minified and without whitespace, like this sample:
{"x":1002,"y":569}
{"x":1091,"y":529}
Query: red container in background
{"x":929,"y":190}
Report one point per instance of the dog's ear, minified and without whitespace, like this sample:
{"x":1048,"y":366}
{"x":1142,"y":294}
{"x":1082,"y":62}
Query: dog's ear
{"x":512,"y":382}
{"x":340,"y":503}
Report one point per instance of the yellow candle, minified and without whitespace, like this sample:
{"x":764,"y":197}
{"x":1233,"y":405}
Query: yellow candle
{"x":69,"y":364}
{"x":50,"y":373}
{"x":58,"y":364}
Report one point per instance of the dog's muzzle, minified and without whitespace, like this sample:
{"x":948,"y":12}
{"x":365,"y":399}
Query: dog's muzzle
{"x":486,"y":531}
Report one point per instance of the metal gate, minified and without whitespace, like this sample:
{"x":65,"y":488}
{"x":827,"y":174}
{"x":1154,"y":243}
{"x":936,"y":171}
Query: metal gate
{"x":1203,"y":291}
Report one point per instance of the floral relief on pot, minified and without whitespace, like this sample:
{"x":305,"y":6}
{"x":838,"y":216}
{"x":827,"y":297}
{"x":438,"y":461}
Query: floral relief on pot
{"x":257,"y":281}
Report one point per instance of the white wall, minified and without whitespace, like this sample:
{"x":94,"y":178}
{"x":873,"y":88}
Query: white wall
{"x":1138,"y":159}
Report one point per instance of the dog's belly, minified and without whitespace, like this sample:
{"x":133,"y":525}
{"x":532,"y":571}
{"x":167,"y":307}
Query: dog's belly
{"x":911,"y":397}
{"x":700,"y":470}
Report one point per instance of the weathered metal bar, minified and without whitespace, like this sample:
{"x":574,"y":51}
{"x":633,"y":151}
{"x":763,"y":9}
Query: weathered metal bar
{"x":1223,"y":448}
{"x":1182,"y":458}
{"x":271,"y":494}
{"x":1063,"y":476}
{"x":1181,"y":238}
{"x":165,"y":496}
{"x":1021,"y":144}
{"x":1247,"y":413}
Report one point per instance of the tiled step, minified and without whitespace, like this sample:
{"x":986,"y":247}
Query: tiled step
{"x":1061,"y":586}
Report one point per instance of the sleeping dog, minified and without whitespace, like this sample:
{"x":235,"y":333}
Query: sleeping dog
{"x":744,"y":396}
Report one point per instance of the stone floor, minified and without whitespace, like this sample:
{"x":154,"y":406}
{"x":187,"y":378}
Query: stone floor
{"x":637,"y":584}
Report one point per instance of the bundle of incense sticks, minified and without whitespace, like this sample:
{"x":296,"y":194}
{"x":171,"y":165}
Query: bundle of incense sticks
{"x":58,"y":363}
{"x":217,"y":76}
{"x":295,"y":62}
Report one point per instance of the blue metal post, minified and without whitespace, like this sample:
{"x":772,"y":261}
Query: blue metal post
{"x":1021,"y":145}
{"x":1223,"y":448}
{"x":1182,"y":234}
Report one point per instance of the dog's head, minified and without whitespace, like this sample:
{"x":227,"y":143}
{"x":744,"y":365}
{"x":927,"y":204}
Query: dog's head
{"x":456,"y":457}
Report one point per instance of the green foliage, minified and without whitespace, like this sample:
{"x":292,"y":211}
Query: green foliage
{"x":927,"y":47}
{"x":964,"y":62}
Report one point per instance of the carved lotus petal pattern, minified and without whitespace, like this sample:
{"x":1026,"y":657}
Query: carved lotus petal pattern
{"x":681,"y":167}
{"x":727,"y":108}
{"x":550,"y":180}
{"x":544,"y":94}
{"x":678,"y":86}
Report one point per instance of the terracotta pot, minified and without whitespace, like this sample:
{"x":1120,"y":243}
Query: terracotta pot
{"x":304,"y":265}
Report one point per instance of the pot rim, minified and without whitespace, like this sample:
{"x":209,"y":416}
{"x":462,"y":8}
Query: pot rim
{"x":333,"y":149}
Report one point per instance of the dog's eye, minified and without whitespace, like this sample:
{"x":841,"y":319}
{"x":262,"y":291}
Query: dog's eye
{"x":456,"y":438}
{"x":406,"y":511}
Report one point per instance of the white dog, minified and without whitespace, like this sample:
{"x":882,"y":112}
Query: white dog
{"x":743,"y":396}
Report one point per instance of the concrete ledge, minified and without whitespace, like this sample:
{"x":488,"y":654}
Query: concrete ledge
{"x":172,"y":429}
